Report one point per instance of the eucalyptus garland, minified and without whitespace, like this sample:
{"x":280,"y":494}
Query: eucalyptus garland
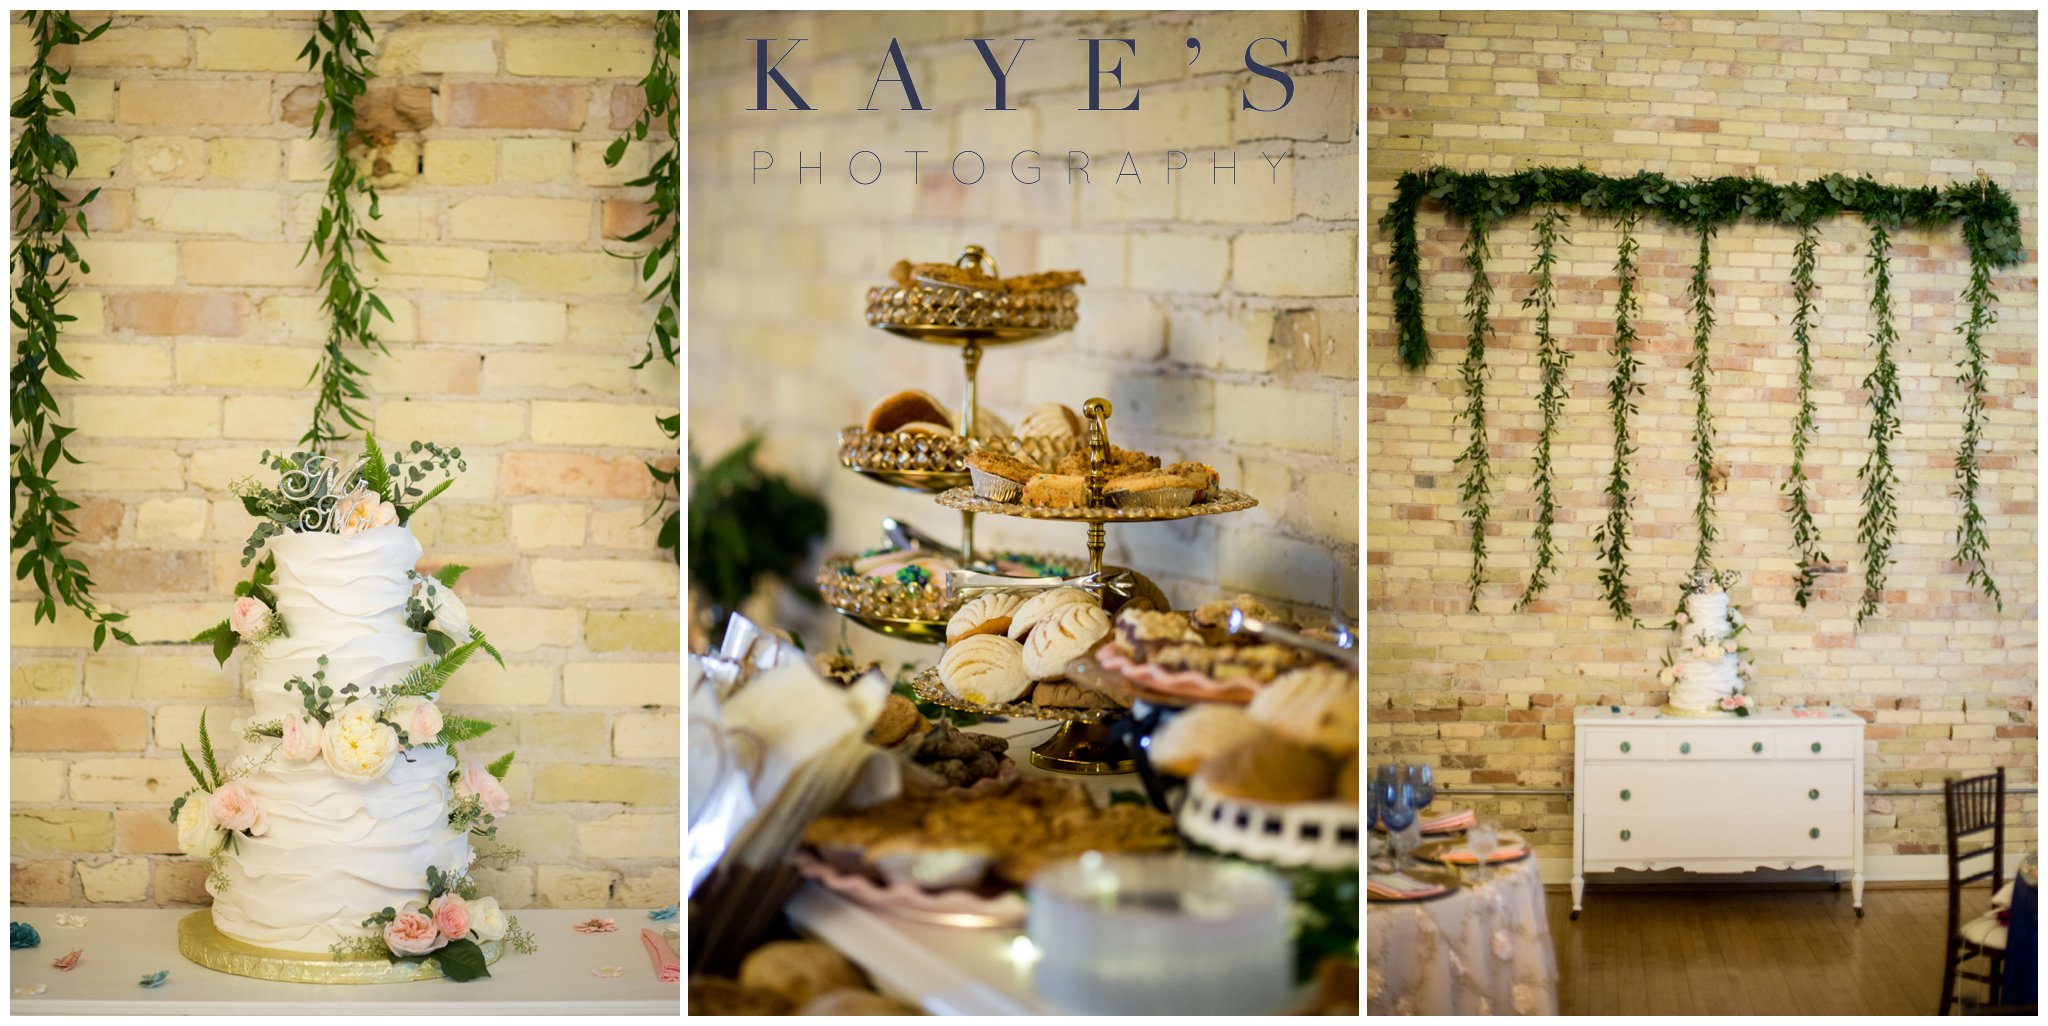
{"x":1554,"y":358}
{"x":1986,"y":214}
{"x":42,"y":259}
{"x":1476,"y":490}
{"x":1622,"y":390}
{"x":346,"y":301}
{"x":1703,"y":412}
{"x":1805,"y":535}
{"x":1880,"y":522}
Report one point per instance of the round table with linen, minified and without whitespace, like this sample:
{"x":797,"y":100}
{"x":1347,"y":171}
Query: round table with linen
{"x":1484,"y":950}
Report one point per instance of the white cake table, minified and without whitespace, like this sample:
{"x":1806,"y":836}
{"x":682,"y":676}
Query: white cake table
{"x":122,"y":945}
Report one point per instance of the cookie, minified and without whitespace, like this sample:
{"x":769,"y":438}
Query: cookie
{"x":856,"y":1002}
{"x":1043,"y":604}
{"x":985,"y":614}
{"x":899,"y":719}
{"x":798,"y":970}
{"x":1312,"y":705}
{"x":986,"y":669}
{"x":908,"y":407}
{"x":1050,"y":420}
{"x":1062,"y":637}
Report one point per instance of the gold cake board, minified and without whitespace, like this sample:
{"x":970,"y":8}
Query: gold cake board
{"x":1672,"y":710}
{"x":203,"y":944}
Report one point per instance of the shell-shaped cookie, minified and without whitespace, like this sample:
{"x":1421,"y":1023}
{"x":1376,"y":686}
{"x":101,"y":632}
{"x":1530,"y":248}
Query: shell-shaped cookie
{"x":1063,"y":637}
{"x":1313,"y":705}
{"x":988,"y":614}
{"x":1042,"y":605}
{"x":986,"y":669}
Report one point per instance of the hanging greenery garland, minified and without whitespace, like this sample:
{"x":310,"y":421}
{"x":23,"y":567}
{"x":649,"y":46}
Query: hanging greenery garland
{"x":1880,"y":523}
{"x":1805,"y":535}
{"x":1553,"y":358}
{"x":1478,"y":298}
{"x":42,"y":259}
{"x":1622,"y":390}
{"x":1990,"y":228}
{"x":1703,"y":412}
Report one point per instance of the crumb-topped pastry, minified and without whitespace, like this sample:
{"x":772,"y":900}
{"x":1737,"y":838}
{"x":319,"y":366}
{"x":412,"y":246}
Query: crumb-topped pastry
{"x":1152,"y":489}
{"x":998,"y":476}
{"x":1199,"y":476}
{"x":1056,"y":491}
{"x":1121,"y":462}
{"x":1212,"y":620}
{"x":1140,"y":632}
{"x":1063,"y":636}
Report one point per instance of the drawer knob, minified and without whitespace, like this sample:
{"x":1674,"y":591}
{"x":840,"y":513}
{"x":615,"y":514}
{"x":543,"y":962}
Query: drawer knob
{"x":1816,"y":747}
{"x":1624,"y":794}
{"x":1685,"y":748}
{"x":1624,"y":835}
{"x":1814,"y":794}
{"x":1814,"y":833}
{"x":1624,"y":746}
{"x":1756,"y":746}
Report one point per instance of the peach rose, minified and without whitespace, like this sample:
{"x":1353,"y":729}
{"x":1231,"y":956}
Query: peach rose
{"x":250,"y":618}
{"x":301,"y":739}
{"x":477,"y":780}
{"x":412,"y":934}
{"x":451,"y":916}
{"x":420,"y":718}
{"x":362,"y":510}
{"x":236,"y":810}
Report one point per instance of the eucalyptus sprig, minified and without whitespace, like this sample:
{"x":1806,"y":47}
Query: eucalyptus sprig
{"x":347,"y":302}
{"x":1880,"y":522}
{"x":42,"y":259}
{"x":1805,"y":535}
{"x":1554,"y":359}
{"x":1702,"y":291}
{"x":1475,"y":491}
{"x":1622,"y":390}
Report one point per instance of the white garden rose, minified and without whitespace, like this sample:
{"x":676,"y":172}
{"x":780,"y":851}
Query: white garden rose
{"x":356,"y":746}
{"x":451,"y":617}
{"x":197,"y":832}
{"x":486,"y":919}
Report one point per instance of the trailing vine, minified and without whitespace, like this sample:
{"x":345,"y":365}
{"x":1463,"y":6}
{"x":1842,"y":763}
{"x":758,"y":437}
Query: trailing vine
{"x":1805,"y":535}
{"x":1880,"y":522}
{"x":1553,"y":358}
{"x":1989,"y":221}
{"x":346,"y":301}
{"x":1703,"y":412}
{"x":1970,"y":540}
{"x":659,"y":265}
{"x":1622,"y":390}
{"x":1476,"y":490}
{"x":42,"y":258}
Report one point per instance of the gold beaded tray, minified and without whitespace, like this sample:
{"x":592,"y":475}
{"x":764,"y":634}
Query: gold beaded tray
{"x":1223,"y":500}
{"x":928,"y":689}
{"x":935,"y":463}
{"x":950,"y":313}
{"x":911,"y":612}
{"x":203,"y":944}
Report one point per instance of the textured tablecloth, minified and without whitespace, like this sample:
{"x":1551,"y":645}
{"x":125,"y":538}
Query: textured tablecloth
{"x":2022,"y":985}
{"x":1482,"y":951}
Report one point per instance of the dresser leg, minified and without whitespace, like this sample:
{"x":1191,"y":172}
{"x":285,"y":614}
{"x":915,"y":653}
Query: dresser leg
{"x":1578,"y":894}
{"x":1856,"y":891}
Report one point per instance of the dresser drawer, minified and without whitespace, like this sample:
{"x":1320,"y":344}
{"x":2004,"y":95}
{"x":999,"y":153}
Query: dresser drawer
{"x":1698,"y":743}
{"x":1723,"y":790}
{"x":1667,"y":837}
{"x":1610,"y":744}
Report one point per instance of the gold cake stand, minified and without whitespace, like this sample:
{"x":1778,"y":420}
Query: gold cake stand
{"x":203,"y":944}
{"x":970,"y":319}
{"x":1082,"y":745}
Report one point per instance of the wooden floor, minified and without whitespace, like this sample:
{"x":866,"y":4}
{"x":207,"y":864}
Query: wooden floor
{"x":1729,"y":952}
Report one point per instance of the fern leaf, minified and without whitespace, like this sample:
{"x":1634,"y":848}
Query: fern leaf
{"x":429,"y":497}
{"x":427,"y":678}
{"x":194,"y":767}
{"x":500,"y":767}
{"x":489,"y":649}
{"x":206,"y":751}
{"x":456,"y":729}
{"x":375,"y":473}
{"x":451,"y":573}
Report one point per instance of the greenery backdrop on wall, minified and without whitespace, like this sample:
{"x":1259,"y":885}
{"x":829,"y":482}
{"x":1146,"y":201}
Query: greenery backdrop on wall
{"x":42,"y":258}
{"x":1985,"y":213}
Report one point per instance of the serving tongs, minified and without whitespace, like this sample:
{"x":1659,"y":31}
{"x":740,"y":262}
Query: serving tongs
{"x":1112,"y":587}
{"x":1340,"y":652}
{"x":903,"y":537}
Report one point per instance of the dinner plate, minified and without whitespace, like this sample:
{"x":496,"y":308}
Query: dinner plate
{"x":1442,"y":852}
{"x":1424,"y":874}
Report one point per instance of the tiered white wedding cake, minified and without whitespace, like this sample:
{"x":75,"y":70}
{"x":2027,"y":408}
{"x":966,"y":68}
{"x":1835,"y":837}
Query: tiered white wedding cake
{"x":1706,"y":671}
{"x":343,"y":826}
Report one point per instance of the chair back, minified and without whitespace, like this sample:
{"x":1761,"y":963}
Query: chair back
{"x":1972,"y":807}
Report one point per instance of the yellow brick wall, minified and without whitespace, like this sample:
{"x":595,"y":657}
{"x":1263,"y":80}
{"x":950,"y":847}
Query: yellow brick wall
{"x":513,"y":339}
{"x":1947,"y":682}
{"x":1220,"y":320}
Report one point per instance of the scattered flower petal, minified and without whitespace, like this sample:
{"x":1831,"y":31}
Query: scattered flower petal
{"x":67,"y":919}
{"x":31,"y":991}
{"x":610,"y":972}
{"x":602,"y":925}
{"x":64,"y":964}
{"x":22,"y":935}
{"x":662,"y":914}
{"x":155,"y":979}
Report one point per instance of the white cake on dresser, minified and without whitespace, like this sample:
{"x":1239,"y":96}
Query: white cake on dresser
{"x":1707,"y":671}
{"x":1778,"y":789}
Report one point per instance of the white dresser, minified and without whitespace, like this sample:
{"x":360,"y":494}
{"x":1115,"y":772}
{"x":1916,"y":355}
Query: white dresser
{"x":1778,"y":789}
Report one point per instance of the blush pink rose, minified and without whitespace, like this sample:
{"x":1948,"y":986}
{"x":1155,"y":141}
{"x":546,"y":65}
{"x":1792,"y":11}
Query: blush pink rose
{"x":250,"y":617}
{"x":451,"y":916}
{"x":235,"y":809}
{"x":412,"y":934}
{"x":476,"y":780}
{"x":420,"y":718}
{"x":301,"y":739}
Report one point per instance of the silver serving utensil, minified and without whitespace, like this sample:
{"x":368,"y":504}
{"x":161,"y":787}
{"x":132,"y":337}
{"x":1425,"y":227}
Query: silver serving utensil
{"x":1346,"y":636}
{"x":1239,"y":623}
{"x":966,"y":584}
{"x":903,"y":537}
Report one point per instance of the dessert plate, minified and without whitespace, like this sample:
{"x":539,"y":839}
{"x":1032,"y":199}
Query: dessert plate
{"x":1454,"y":852}
{"x":1403,"y":887}
{"x":1186,"y":684}
{"x":946,"y":908}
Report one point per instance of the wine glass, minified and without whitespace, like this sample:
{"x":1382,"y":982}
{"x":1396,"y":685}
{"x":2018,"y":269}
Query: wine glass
{"x":1423,"y":783}
{"x":1483,"y":839}
{"x":1397,"y":808}
{"x":1374,"y":807}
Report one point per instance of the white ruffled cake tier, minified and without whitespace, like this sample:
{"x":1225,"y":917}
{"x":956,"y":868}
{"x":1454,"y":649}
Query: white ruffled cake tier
{"x":1701,"y":685}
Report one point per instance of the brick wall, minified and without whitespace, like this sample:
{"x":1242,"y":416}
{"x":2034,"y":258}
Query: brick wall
{"x":513,"y":338}
{"x":1220,"y":319}
{"x":1947,"y":682}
